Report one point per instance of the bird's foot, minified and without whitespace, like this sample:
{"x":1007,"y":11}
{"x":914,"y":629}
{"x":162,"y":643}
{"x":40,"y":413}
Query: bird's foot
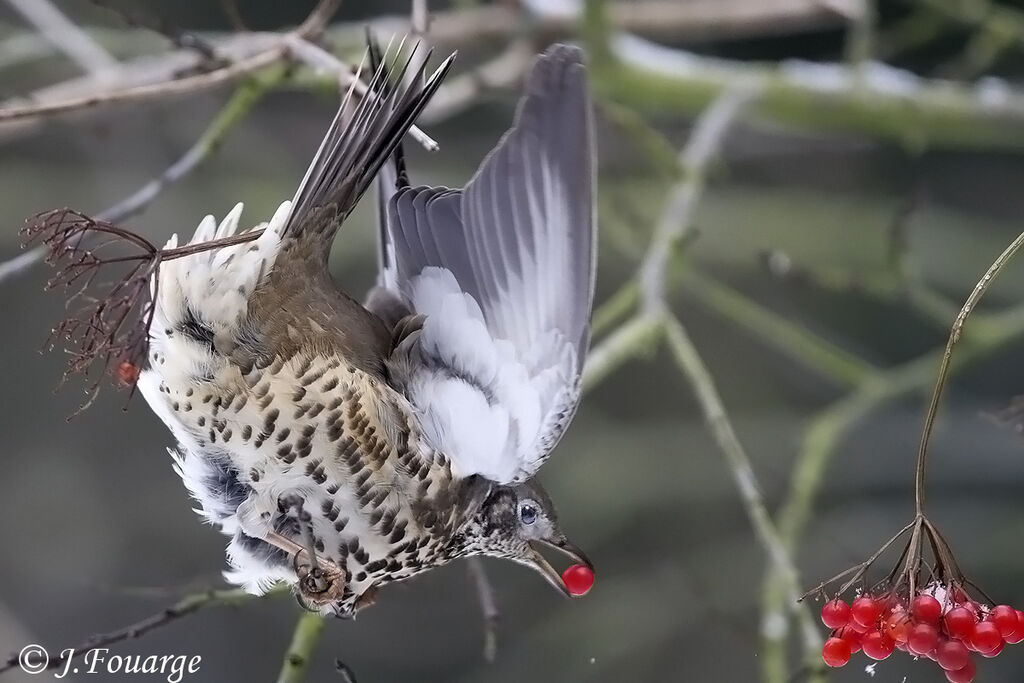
{"x":321,"y":584}
{"x":321,"y":581}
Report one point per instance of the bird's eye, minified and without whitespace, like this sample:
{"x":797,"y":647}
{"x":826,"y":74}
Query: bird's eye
{"x":528,"y":514}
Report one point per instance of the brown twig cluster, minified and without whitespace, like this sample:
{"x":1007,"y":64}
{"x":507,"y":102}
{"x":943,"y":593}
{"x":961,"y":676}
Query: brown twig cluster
{"x":108,"y":324}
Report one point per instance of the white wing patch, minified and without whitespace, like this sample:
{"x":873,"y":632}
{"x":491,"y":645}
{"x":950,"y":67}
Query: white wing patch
{"x":491,"y":408}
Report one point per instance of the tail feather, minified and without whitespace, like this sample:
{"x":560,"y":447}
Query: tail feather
{"x":357,"y":146}
{"x":393,"y":177}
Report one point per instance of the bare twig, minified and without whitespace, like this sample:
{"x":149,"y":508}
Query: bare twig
{"x":319,"y":58}
{"x":67,"y":37}
{"x":676,"y":217}
{"x":828,"y":360}
{"x":183,"y":608}
{"x":230,"y":115}
{"x":488,"y":606}
{"x":312,"y":26}
{"x":690,"y":362}
{"x":188,"y":84}
{"x":486,"y":23}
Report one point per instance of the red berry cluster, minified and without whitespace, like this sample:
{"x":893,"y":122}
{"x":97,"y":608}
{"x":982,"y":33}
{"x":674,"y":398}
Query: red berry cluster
{"x":944,"y":626}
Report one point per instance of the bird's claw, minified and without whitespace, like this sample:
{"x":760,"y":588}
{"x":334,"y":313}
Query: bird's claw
{"x":319,"y":584}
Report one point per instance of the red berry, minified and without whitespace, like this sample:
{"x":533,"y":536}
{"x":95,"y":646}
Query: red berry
{"x":1018,"y":633}
{"x":897,"y":625}
{"x":926,"y":609}
{"x":922,"y":639}
{"x":964,"y":675}
{"x":959,"y":622}
{"x":852,"y":637}
{"x":127,"y":373}
{"x":1005,"y":619}
{"x":836,"y":652}
{"x":878,"y":645}
{"x":835,"y":613}
{"x":578,"y":579}
{"x":985,"y":637}
{"x":952,"y":655}
{"x":865,"y":611}
{"x":993,"y":653}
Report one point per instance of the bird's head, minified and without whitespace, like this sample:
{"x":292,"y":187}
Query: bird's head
{"x":514,"y":522}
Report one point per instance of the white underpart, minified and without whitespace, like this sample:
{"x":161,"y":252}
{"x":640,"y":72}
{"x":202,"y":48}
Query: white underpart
{"x":495,"y":414}
{"x":216,"y":286}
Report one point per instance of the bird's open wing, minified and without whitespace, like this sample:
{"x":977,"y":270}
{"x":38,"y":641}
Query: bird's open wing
{"x":503,"y":273}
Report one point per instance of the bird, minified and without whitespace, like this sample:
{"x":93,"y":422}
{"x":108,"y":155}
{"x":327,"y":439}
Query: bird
{"x":340,"y":445}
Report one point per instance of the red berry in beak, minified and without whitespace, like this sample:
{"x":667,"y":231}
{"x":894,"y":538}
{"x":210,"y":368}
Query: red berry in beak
{"x":578,"y":579}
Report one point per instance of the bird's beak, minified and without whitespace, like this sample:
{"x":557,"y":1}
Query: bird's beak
{"x":550,"y":573}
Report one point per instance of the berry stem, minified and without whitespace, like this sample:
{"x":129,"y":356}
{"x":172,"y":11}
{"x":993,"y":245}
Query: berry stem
{"x":859,"y":570}
{"x":940,"y":383}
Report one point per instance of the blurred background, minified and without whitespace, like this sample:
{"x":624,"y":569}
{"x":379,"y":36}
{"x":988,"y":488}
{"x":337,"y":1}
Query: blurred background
{"x":849,"y":212}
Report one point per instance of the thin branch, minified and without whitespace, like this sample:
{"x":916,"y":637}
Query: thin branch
{"x":187,"y":84}
{"x":860,"y":36}
{"x":240,"y":103}
{"x":877,"y":99}
{"x":312,"y":26}
{"x":628,"y":340}
{"x":488,"y":606}
{"x":677,"y":217}
{"x":183,"y":608}
{"x":493,"y":23}
{"x":799,"y":344}
{"x":947,"y":356}
{"x":691,"y":364}
{"x":64,"y":35}
{"x":304,"y":640}
{"x":320,"y":59}
{"x":616,"y":307}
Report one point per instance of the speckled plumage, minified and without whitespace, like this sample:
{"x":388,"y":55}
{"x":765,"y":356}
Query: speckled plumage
{"x":297,"y":409}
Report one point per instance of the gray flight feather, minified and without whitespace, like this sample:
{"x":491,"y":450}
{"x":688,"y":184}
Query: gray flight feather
{"x":519,"y":239}
{"x":528,"y":213}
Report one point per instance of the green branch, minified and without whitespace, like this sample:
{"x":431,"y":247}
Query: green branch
{"x":304,"y":641}
{"x":796,"y":342}
{"x":893,"y":105}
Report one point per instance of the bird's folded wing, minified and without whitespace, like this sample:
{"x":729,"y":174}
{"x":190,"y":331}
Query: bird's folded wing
{"x":503,"y":272}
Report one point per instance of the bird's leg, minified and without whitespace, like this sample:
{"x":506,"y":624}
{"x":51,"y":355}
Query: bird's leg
{"x":320,"y":581}
{"x":317,"y":584}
